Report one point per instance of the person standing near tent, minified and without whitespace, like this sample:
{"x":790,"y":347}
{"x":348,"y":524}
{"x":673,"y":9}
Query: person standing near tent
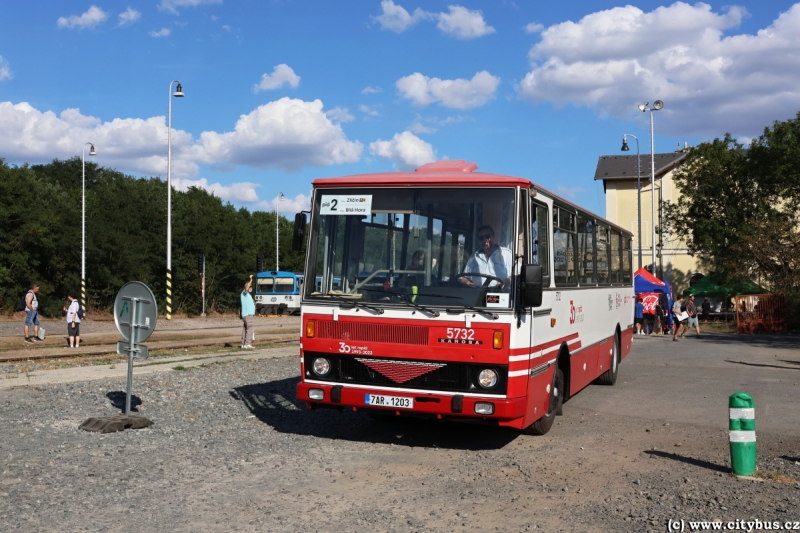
{"x":660,"y":318}
{"x":706,"y":309}
{"x":638,"y":316}
{"x":680,"y":321}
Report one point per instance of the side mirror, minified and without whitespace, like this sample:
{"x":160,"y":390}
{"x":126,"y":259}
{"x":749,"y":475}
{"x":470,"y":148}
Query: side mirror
{"x":532,"y":286}
{"x":299,"y":236}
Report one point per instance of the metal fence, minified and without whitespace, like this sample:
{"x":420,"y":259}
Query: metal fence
{"x":760,"y":313}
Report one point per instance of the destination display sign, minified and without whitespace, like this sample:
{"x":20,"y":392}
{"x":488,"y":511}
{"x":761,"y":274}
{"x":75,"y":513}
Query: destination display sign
{"x":345,"y":204}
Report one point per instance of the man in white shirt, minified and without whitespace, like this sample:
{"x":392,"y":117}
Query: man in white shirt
{"x":489,"y":259}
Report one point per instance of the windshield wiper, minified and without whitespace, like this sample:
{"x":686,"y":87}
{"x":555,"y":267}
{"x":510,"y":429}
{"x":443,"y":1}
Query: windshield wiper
{"x":350,"y":304}
{"x":487,"y":314}
{"x":406,"y":301}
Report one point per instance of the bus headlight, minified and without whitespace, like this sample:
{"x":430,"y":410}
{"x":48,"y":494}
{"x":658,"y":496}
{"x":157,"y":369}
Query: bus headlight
{"x":487,"y":378}
{"x":321,"y":367}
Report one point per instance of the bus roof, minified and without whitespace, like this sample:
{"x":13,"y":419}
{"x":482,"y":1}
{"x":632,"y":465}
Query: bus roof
{"x":448,"y":173}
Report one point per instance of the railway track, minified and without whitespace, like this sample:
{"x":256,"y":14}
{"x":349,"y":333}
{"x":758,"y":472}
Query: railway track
{"x":106,"y":348}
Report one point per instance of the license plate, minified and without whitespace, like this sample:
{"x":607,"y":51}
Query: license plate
{"x":395,"y":402}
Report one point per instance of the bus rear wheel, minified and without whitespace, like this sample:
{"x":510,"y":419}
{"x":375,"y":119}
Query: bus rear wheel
{"x":543,"y":425}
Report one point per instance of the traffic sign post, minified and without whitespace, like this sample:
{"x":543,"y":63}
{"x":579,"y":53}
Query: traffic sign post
{"x":135,"y":314}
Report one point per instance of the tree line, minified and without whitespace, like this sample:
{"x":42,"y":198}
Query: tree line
{"x":739,"y":209}
{"x":126,"y":239}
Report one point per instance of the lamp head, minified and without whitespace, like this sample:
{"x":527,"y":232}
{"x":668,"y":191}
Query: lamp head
{"x":643,"y":107}
{"x":658,"y":104}
{"x":178,"y":91}
{"x":91,"y":150}
{"x":624,"y":144}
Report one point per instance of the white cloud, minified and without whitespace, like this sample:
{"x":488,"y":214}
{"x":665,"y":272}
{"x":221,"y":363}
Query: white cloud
{"x":281,"y":75}
{"x":533,"y":27}
{"x":90,"y":19}
{"x":463,"y":23}
{"x":570,"y":192}
{"x":163,"y":32}
{"x":301,"y":202}
{"x":130,"y":144}
{"x":370,"y":111}
{"x":457,"y":94}
{"x":340,"y":114}
{"x":241,"y":193}
{"x":395,"y":18}
{"x":710,"y":82}
{"x":129,"y":16}
{"x":405,"y":149}
{"x":371,"y":90}
{"x":172,"y":5}
{"x":5,"y":69}
{"x":419,"y":127}
{"x":287,"y":133}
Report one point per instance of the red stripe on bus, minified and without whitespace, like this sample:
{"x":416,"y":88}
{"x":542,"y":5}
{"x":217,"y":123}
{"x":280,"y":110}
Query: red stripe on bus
{"x":544,"y":346}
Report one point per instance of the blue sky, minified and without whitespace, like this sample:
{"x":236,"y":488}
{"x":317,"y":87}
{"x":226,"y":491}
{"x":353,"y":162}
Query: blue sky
{"x":279,"y":92}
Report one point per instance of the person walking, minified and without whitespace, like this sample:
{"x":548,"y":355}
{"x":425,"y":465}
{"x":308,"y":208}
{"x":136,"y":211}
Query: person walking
{"x":680,"y":324}
{"x":32,"y":315}
{"x":691,"y":310}
{"x":73,"y":320}
{"x":638,"y":316}
{"x":248,"y":314}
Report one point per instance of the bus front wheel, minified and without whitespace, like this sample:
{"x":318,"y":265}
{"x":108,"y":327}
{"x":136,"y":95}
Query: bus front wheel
{"x":543,"y":425}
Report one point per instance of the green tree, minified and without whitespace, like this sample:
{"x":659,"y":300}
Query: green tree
{"x":738,"y":208}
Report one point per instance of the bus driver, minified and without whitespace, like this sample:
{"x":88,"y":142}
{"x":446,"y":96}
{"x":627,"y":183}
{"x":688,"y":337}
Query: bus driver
{"x":489,"y":259}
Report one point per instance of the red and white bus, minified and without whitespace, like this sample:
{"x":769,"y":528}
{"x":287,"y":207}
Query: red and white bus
{"x":459,"y":295}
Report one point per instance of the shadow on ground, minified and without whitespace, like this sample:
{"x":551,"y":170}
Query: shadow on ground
{"x":789,"y":342}
{"x":117,"y":399}
{"x":275,"y":403}
{"x":765,"y":365}
{"x":690,"y":460}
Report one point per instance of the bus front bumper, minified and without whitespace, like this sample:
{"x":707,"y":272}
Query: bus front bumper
{"x":504,"y":411}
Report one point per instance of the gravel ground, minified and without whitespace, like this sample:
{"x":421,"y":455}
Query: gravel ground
{"x":232,"y":450}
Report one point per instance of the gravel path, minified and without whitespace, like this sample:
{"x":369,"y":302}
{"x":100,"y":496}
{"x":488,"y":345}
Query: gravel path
{"x":232,"y":450}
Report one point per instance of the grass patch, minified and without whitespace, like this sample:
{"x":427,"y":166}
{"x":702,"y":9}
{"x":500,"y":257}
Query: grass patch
{"x":179,"y":368}
{"x":775,"y":476}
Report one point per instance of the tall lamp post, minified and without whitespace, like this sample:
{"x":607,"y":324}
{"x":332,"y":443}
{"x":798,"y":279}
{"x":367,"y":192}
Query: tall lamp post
{"x":658,"y":104}
{"x":638,"y":188}
{"x":278,"y":200}
{"x":178,"y":94}
{"x":83,"y":222}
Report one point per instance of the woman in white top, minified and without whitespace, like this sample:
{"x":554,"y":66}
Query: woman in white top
{"x":73,"y":320}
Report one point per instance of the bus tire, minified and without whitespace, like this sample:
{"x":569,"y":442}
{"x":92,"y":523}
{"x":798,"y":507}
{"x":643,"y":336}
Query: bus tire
{"x":543,"y":425}
{"x":609,"y":377}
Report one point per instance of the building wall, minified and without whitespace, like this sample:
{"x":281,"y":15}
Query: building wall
{"x":675,"y":265}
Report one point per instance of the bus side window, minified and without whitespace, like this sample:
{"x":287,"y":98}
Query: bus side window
{"x":603,"y":245}
{"x":564,"y":247}
{"x":586,"y":257}
{"x":541,"y":236}
{"x":616,"y":257}
{"x":627,"y":272}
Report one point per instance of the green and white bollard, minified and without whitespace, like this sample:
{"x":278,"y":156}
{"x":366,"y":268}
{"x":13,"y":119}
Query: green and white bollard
{"x":743,"y":434}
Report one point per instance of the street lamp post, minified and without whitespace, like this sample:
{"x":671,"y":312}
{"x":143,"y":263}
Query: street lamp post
{"x":658,"y":104}
{"x":178,"y":94}
{"x":278,"y":200}
{"x":638,"y":188}
{"x":83,"y":222}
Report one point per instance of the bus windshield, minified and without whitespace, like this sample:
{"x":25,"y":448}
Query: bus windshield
{"x":427,"y":246}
